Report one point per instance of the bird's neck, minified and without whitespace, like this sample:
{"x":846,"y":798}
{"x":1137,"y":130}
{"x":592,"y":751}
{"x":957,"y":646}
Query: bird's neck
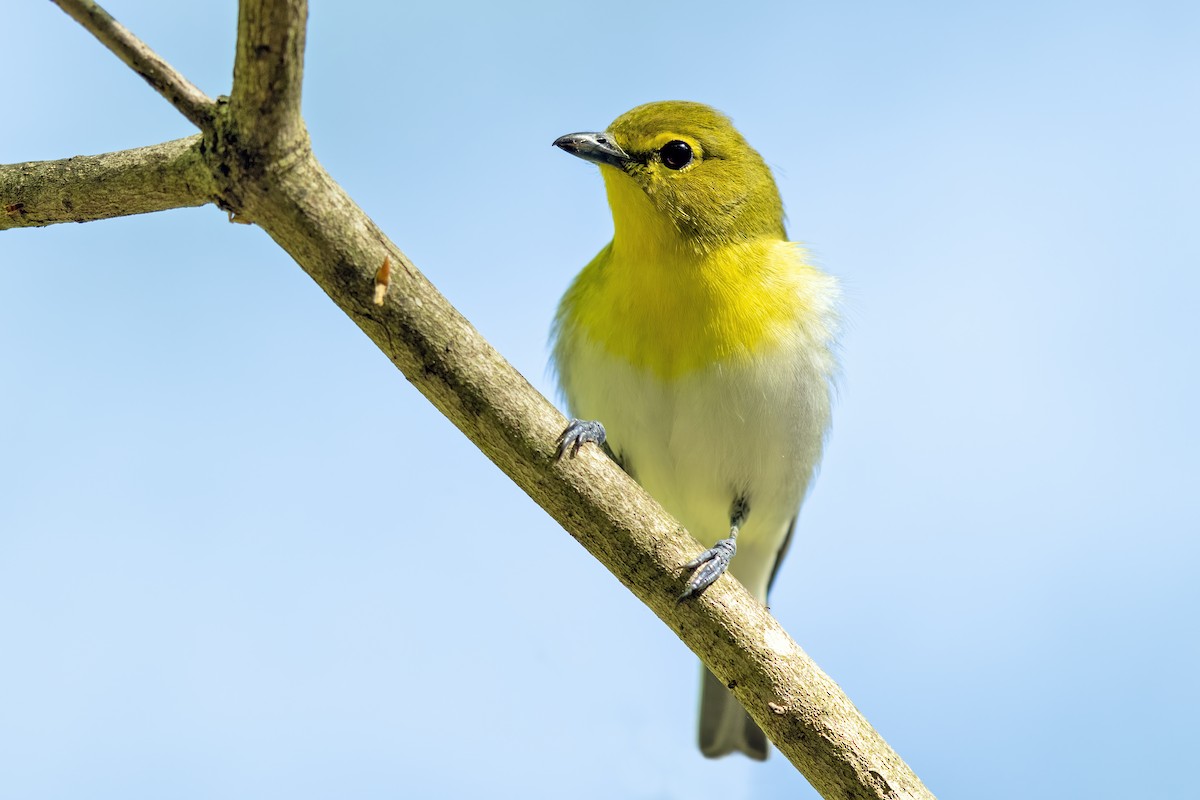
{"x":642,"y":229}
{"x":656,"y":301}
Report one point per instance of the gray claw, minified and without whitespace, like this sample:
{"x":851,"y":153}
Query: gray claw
{"x":709,"y":566}
{"x":578,"y":433}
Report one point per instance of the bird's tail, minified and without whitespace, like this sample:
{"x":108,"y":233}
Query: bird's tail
{"x":724,"y":724}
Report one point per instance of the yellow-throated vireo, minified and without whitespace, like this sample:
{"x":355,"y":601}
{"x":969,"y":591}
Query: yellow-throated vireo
{"x":702,"y":340}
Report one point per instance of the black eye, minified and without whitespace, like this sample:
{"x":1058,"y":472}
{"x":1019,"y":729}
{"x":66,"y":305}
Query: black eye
{"x":676,"y":154}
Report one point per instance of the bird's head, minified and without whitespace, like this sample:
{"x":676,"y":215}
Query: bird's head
{"x":681,"y":170}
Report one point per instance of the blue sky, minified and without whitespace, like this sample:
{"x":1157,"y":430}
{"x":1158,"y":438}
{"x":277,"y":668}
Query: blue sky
{"x":241,"y":557}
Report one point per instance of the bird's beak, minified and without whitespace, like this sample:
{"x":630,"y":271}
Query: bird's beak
{"x":599,"y":148}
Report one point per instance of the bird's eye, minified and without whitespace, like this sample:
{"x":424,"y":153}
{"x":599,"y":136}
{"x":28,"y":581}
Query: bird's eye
{"x":676,"y":154}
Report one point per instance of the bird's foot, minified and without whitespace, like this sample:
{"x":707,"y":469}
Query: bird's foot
{"x":709,"y":566}
{"x":578,"y":433}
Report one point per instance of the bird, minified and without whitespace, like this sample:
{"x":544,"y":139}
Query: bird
{"x":699,"y":349}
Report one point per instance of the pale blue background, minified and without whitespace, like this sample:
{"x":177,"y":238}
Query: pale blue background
{"x":240,"y":557}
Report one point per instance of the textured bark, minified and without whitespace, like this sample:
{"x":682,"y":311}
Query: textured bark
{"x":258,"y":165}
{"x":86,"y":188}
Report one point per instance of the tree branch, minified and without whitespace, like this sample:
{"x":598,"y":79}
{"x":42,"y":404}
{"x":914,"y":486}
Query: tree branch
{"x":268,"y":71}
{"x":85,"y":188}
{"x":178,"y":90}
{"x":259,"y":157}
{"x":800,"y":708}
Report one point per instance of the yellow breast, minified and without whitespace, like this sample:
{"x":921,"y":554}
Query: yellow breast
{"x":656,"y":300}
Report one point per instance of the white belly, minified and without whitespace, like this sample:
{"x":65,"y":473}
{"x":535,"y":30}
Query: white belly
{"x":749,"y":428}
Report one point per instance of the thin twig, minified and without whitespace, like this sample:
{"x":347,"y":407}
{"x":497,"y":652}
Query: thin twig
{"x":178,"y":90}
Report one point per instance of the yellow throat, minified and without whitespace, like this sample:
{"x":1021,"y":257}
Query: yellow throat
{"x":664,"y":303}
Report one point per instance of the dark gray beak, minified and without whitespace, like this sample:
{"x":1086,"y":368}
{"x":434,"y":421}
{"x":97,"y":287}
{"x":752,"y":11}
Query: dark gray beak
{"x":598,"y":148}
